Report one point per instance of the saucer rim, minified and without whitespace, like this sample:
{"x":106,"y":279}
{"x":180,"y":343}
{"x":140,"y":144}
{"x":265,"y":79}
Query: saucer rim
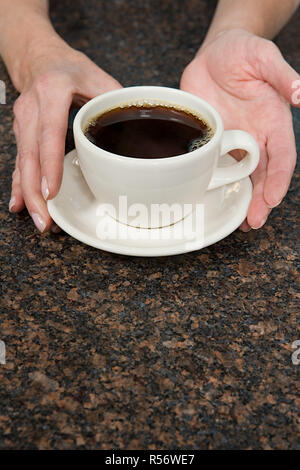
{"x":154,"y":251}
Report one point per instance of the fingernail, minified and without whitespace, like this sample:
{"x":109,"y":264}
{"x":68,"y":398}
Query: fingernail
{"x":274,"y":205}
{"x":38,"y":221}
{"x":11,"y":203}
{"x":44,"y":187}
{"x":263,"y":223}
{"x":55,"y":228}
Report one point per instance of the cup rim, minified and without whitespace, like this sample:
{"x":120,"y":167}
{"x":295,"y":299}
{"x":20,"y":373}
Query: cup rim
{"x":79,"y":134}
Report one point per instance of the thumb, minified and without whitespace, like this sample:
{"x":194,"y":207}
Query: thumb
{"x":279,"y":74}
{"x":99,"y":82}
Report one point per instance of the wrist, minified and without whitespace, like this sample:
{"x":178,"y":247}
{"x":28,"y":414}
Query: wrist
{"x":41,"y":53}
{"x":216,"y":34}
{"x":239,"y":19}
{"x":26,"y":47}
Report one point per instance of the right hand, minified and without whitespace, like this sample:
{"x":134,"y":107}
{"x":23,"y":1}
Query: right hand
{"x":248,"y":81}
{"x":54,"y":79}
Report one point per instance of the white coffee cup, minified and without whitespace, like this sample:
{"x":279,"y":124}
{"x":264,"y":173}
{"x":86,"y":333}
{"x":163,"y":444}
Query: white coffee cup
{"x":181,"y":180}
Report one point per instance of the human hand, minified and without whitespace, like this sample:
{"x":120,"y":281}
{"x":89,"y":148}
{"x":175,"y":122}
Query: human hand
{"x":248,"y":81}
{"x":56,"y":76}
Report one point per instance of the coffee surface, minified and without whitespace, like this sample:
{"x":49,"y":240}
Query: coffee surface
{"x":148,"y":132}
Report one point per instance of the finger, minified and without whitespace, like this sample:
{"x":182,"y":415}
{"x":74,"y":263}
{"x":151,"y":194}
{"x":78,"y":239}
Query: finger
{"x":53,"y":129}
{"x":282,"y":157}
{"x":16,"y":203}
{"x":258,"y":210}
{"x":239,"y":154}
{"x":55,"y":228}
{"x":98,"y":82}
{"x":276,"y":71}
{"x":245,"y":227}
{"x":30,"y":169}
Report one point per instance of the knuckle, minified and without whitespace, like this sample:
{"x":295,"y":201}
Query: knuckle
{"x":50,"y":133}
{"x":18,"y":106}
{"x":22,"y":105}
{"x":24,"y":156}
{"x":43,"y":82}
{"x":15,"y":174}
{"x":47,"y":135}
{"x":48,"y":80}
{"x":15,"y":185}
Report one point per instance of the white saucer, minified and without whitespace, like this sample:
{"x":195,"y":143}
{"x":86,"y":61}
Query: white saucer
{"x":74,"y":209}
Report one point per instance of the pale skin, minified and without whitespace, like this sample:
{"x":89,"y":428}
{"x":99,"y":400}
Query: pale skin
{"x":237,"y":69}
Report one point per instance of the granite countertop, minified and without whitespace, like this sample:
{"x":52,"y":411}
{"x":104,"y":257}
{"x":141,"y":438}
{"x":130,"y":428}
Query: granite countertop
{"x":106,"y":351}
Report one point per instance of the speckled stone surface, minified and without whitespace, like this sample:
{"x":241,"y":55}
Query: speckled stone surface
{"x":106,"y":351}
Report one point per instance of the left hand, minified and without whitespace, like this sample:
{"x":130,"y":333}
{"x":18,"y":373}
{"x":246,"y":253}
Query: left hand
{"x":55,"y":75}
{"x":248,"y":81}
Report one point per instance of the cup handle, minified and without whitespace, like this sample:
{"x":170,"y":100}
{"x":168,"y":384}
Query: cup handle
{"x":236,"y":140}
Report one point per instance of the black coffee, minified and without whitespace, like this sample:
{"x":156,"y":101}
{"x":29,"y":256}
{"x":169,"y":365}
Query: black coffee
{"x":148,"y":131}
